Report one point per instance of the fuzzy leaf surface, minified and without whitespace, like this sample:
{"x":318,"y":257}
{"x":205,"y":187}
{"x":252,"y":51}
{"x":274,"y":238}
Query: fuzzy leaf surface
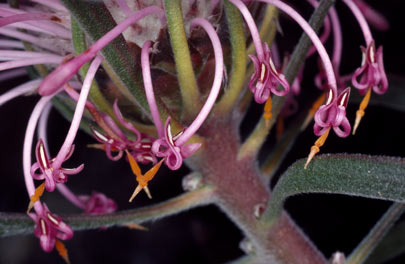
{"x":377,"y":177}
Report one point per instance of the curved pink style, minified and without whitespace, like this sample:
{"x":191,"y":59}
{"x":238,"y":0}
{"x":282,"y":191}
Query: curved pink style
{"x":173,"y":148}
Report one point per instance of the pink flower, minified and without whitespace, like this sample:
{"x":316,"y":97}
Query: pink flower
{"x":116,"y":140}
{"x":371,"y":73}
{"x":333,"y":115}
{"x":98,"y":203}
{"x":52,"y":175}
{"x":49,"y":227}
{"x":173,"y":153}
{"x":266,"y":78}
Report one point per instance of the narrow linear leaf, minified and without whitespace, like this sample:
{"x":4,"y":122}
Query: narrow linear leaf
{"x":375,"y":177}
{"x":362,"y":252}
{"x":17,"y":224}
{"x":95,"y":19}
{"x":391,"y":246}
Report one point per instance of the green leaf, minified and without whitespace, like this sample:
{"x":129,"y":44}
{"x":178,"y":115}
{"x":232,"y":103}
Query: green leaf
{"x":363,"y":250}
{"x":95,"y":20}
{"x":376,"y":177}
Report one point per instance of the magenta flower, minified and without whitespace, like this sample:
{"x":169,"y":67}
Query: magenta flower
{"x":52,"y":175}
{"x":49,"y":228}
{"x":333,"y":115}
{"x":116,"y":141}
{"x":168,"y":148}
{"x":97,"y":203}
{"x":173,"y":149}
{"x":371,"y":73}
{"x":266,"y":78}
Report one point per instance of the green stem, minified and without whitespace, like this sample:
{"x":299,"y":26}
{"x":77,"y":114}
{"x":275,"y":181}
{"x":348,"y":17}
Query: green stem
{"x":364,"y":249}
{"x":256,"y":139}
{"x":14,"y":224}
{"x":239,"y":59}
{"x":181,"y":52}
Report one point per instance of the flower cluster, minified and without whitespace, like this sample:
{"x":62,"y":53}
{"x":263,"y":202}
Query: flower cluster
{"x":166,"y":138}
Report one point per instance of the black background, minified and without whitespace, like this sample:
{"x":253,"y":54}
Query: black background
{"x":205,"y":235}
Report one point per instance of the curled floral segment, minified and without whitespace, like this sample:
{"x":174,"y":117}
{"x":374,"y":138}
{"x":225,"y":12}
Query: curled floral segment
{"x":371,"y":73}
{"x":173,"y":149}
{"x":333,"y":115}
{"x":49,"y":228}
{"x":168,"y":148}
{"x":52,"y":176}
{"x":266,"y":77}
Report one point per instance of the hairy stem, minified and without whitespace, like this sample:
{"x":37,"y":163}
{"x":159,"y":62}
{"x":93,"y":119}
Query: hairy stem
{"x":14,"y":224}
{"x":182,"y":58}
{"x":239,"y":60}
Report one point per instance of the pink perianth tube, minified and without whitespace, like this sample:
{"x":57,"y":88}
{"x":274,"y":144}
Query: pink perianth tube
{"x":28,"y":87}
{"x":337,"y":38}
{"x":252,"y":27}
{"x":42,"y":133}
{"x":64,"y":72}
{"x":50,"y":59}
{"x":147,"y":81}
{"x":216,"y":86}
{"x":312,"y":35}
{"x":361,"y":20}
{"x":29,"y":136}
{"x":77,"y":117}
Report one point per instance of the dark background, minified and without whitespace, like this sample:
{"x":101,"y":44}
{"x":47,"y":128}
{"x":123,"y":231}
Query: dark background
{"x":205,"y":235}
